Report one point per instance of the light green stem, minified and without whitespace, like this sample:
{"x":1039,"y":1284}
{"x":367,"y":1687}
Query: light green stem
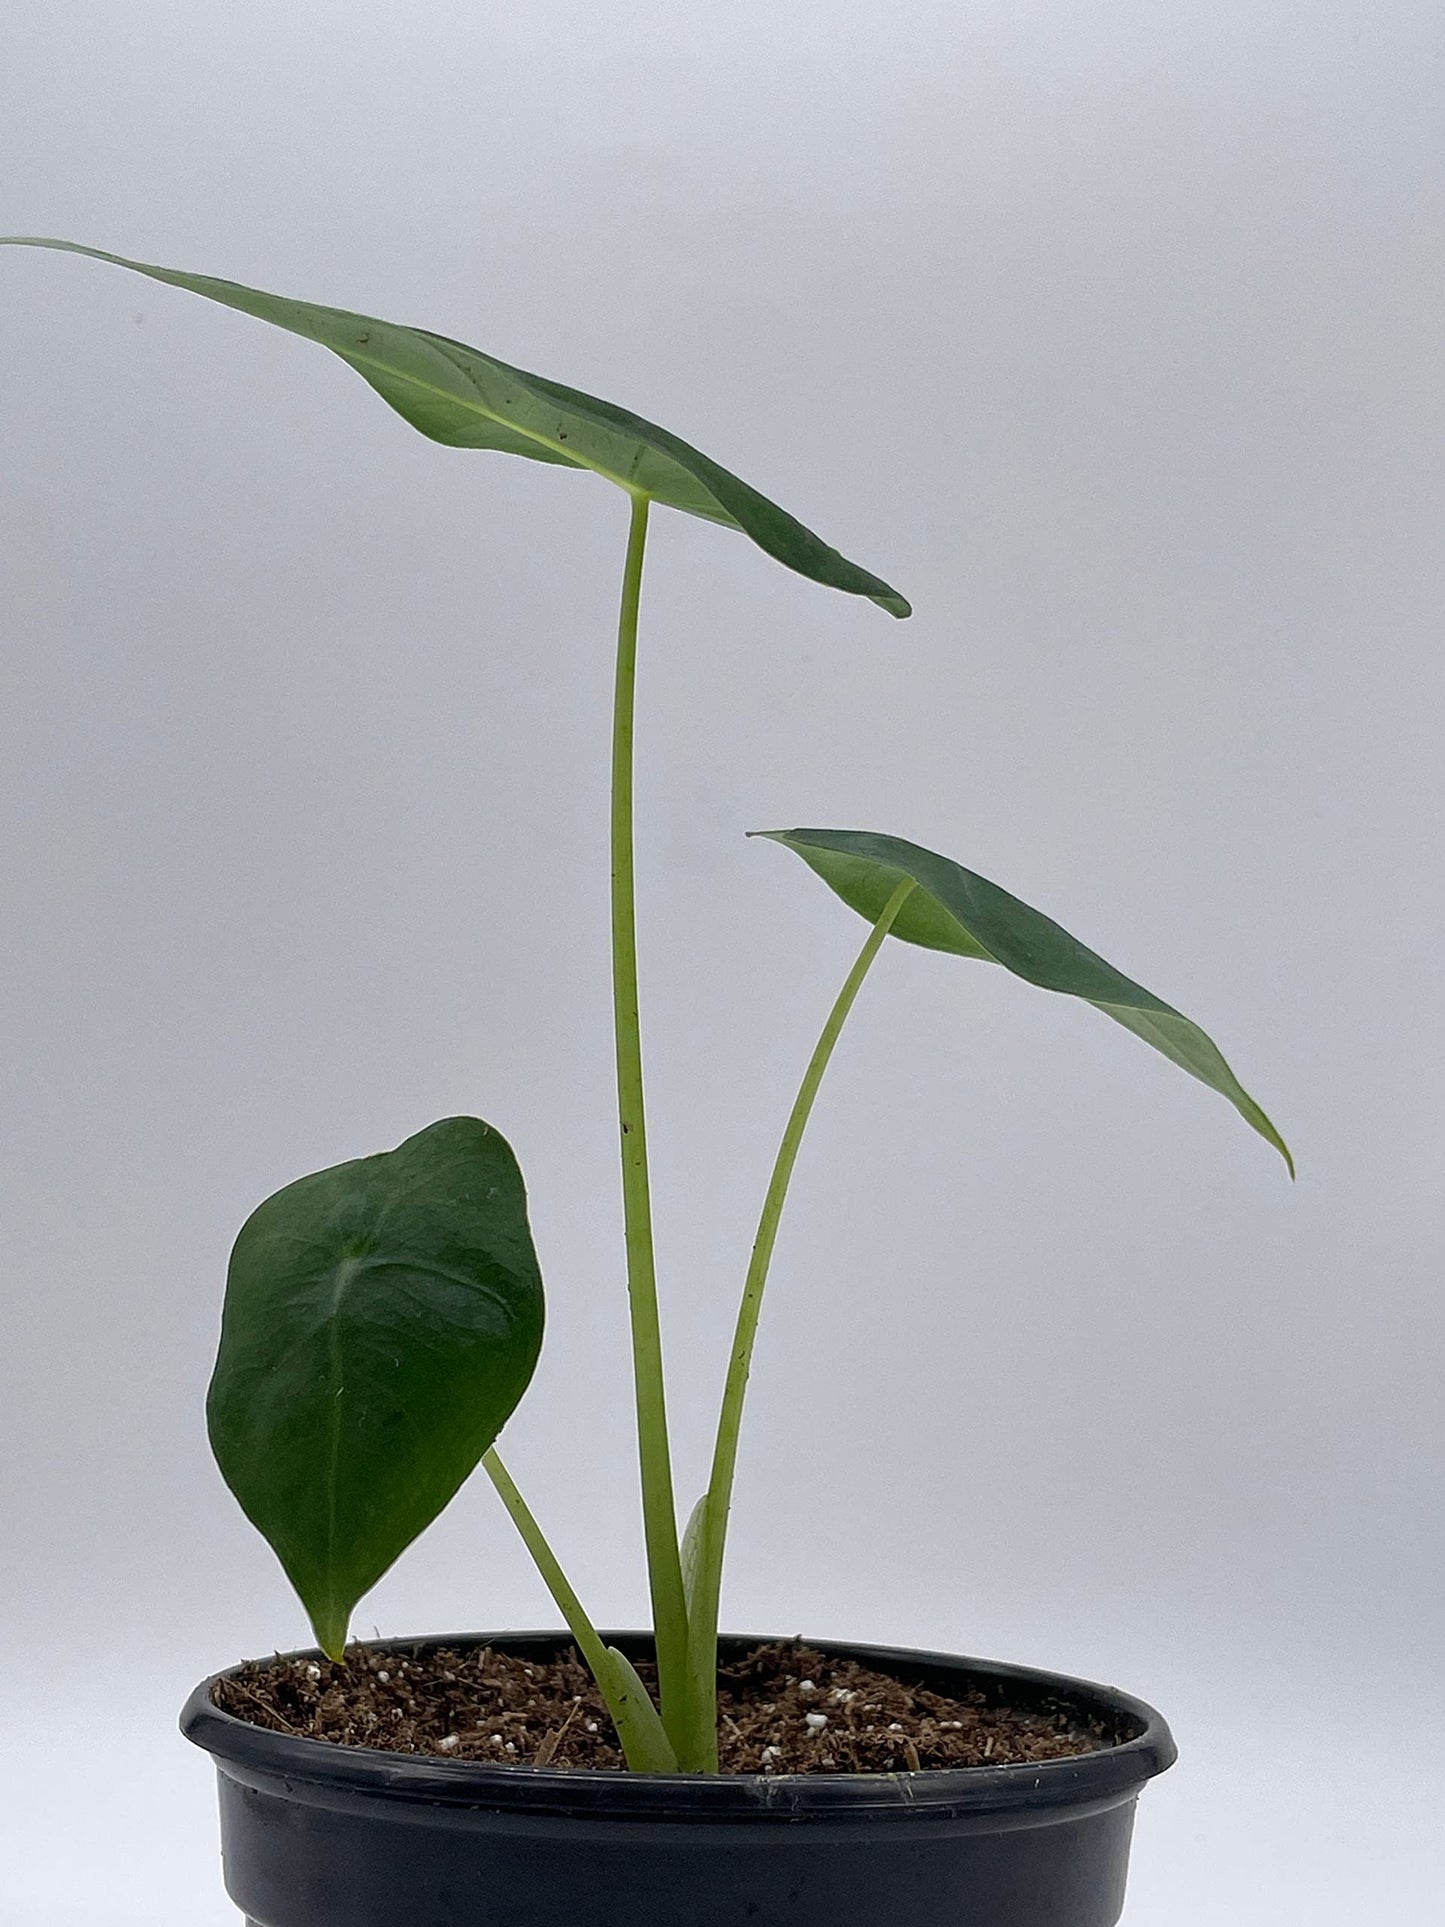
{"x":707,"y":1579}
{"x":643,"y":1754}
{"x":589,"y":1641}
{"x":659,"y":1513}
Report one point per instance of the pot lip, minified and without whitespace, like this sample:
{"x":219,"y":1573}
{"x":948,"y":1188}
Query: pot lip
{"x":1103,"y":1778}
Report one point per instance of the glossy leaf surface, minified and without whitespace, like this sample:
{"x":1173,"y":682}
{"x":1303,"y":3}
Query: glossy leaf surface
{"x":467,"y":399}
{"x":955,"y":910}
{"x":382,"y":1319}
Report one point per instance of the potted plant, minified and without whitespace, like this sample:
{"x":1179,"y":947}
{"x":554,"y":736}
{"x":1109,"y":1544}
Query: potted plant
{"x":382,"y":1319}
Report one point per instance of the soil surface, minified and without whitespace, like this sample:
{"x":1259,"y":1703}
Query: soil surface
{"x":783,"y":1708}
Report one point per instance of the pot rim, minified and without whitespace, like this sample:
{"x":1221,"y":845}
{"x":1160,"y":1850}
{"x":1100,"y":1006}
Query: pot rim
{"x":1103,"y":1778}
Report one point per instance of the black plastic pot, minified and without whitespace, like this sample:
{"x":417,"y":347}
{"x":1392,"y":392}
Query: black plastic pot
{"x":315,"y":1835}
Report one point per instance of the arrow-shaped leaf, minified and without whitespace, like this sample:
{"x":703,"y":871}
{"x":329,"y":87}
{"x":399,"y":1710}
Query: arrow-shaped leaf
{"x":382,"y":1320}
{"x":954,"y":909}
{"x":467,"y":399}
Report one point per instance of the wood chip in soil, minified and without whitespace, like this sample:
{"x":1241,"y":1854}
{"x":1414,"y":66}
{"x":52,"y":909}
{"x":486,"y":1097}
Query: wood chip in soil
{"x":783,"y":1708}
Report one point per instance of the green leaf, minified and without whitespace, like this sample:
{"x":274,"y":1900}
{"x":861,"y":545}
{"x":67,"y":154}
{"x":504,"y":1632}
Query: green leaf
{"x":467,"y":399}
{"x":382,"y":1319}
{"x":638,"y":1722}
{"x":954,"y":909}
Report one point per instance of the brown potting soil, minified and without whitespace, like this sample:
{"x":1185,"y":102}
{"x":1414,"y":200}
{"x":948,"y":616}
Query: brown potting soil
{"x":783,"y":1708}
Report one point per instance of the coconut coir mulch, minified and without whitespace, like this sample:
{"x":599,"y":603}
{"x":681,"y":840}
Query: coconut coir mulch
{"x":783,"y":1708}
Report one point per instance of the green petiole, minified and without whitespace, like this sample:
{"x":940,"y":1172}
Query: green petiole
{"x":659,"y":1511}
{"x":685,"y":1616}
{"x":708,"y":1531}
{"x":589,"y":1640}
{"x":644,"y":1743}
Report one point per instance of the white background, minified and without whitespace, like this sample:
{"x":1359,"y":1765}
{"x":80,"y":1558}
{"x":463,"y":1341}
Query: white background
{"x":1110,"y":333}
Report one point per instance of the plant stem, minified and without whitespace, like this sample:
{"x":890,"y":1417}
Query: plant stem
{"x":615,"y":1681}
{"x":659,"y":1512}
{"x":589,"y":1641}
{"x":707,"y":1582}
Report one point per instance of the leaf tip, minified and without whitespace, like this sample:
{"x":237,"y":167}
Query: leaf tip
{"x":1265,"y":1127}
{"x":331,"y":1628}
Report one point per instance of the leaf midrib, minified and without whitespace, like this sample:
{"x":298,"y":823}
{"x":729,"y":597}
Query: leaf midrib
{"x":478,"y":408}
{"x":346,"y":1272}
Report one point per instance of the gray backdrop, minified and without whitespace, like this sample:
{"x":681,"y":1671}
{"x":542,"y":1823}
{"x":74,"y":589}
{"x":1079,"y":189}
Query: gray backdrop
{"x":1111,"y":333}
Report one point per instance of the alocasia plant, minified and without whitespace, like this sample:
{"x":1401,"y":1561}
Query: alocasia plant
{"x":382,"y":1318}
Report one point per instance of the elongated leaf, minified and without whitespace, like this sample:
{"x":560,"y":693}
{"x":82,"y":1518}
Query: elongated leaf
{"x":955,"y":910}
{"x":638,"y":1722}
{"x":382,"y":1320}
{"x":467,"y":399}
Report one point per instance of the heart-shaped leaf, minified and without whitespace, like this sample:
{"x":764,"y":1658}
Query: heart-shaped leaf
{"x":954,"y":909}
{"x":467,"y":399}
{"x":382,"y":1320}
